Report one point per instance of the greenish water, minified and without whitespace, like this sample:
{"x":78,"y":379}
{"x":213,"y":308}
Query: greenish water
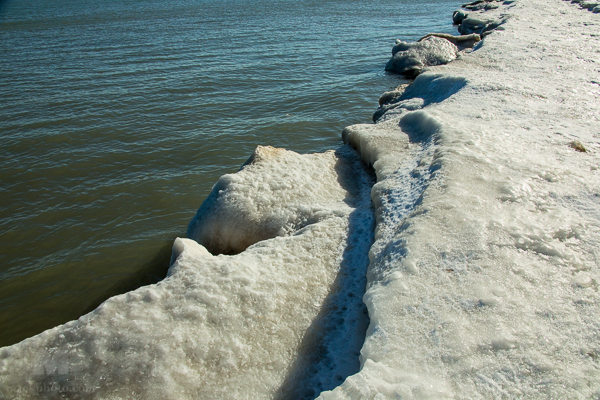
{"x":117,"y":117}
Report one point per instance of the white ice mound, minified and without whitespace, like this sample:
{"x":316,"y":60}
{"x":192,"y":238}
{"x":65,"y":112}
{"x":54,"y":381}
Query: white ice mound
{"x":276,"y":192}
{"x":410,"y":58}
{"x":229,"y":327}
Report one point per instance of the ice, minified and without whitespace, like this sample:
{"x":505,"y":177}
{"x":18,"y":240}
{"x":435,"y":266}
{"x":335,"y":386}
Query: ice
{"x":484,"y":275}
{"x":410,"y":58}
{"x":284,"y":317}
{"x":270,"y":196}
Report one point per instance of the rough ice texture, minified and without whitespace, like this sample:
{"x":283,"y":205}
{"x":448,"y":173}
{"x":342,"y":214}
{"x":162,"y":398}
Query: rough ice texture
{"x":284,"y":318}
{"x":483,"y":277}
{"x":410,"y":58}
{"x":230,"y":219}
{"x":485,"y":272}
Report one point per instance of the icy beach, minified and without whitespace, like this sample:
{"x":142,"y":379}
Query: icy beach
{"x":470,"y":212}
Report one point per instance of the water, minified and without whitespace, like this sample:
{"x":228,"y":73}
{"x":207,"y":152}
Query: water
{"x":117,"y":117}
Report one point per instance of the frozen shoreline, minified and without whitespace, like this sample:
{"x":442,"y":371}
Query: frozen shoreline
{"x":484,"y":274}
{"x":483,"y":277}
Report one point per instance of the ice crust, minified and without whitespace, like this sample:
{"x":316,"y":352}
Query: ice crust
{"x":284,"y":318}
{"x":483,"y":271}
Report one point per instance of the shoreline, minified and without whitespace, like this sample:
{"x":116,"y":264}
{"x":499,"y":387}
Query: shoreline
{"x":482,"y":279}
{"x":483,"y":276}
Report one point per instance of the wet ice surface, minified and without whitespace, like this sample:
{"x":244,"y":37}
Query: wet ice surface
{"x":483,"y":275}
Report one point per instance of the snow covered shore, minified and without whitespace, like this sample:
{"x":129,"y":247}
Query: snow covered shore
{"x":484,"y":275}
{"x":482,"y":280}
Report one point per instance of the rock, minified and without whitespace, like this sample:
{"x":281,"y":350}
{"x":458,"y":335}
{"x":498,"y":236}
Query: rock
{"x":576,"y":144}
{"x":475,"y":25}
{"x":410,"y":58}
{"x":458,"y":16}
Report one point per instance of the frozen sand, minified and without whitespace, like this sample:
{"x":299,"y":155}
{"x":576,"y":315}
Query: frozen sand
{"x":483,"y":276}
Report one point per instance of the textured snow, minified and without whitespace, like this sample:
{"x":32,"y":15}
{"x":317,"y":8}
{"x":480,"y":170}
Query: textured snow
{"x":483,"y":267}
{"x":284,"y":318}
{"x":484,"y":274}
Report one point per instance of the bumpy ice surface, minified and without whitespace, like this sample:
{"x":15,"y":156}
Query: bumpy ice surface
{"x":483,"y":276}
{"x":283,"y":318}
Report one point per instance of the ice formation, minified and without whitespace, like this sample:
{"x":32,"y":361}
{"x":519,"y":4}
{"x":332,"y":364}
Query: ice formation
{"x":410,"y":58}
{"x":483,"y":275}
{"x":592,"y":5}
{"x":284,"y":318}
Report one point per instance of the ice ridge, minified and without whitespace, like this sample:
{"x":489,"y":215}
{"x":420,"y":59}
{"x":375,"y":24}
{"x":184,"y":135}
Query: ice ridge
{"x":484,"y":273}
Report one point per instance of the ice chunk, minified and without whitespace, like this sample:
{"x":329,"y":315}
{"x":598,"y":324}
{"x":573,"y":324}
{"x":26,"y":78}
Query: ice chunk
{"x":410,"y":58}
{"x":425,"y":90}
{"x":458,"y":16}
{"x":244,"y":326}
{"x":590,"y":5}
{"x":270,"y":196}
{"x":478,"y":25}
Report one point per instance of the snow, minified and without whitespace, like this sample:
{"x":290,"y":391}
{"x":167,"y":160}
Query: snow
{"x":484,"y":274}
{"x":230,"y":326}
{"x":483,"y":267}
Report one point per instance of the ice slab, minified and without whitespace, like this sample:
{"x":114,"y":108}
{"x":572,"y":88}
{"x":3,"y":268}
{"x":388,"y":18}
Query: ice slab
{"x":484,"y":273}
{"x":282,"y":318}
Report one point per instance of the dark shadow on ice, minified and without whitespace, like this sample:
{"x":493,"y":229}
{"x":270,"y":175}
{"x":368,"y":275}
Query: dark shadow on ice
{"x":424,"y":90}
{"x":330,"y":349}
{"x":148,"y":274}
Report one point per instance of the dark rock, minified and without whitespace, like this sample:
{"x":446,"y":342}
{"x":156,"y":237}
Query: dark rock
{"x":410,"y":58}
{"x":458,"y":16}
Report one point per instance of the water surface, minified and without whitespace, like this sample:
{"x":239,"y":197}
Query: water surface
{"x":117,"y":118}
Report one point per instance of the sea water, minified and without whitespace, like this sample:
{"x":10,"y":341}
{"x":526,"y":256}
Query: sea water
{"x":118,"y":117}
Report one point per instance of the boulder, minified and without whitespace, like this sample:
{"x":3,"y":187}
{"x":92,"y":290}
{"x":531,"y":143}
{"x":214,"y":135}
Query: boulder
{"x":475,"y":25}
{"x":409,"y":59}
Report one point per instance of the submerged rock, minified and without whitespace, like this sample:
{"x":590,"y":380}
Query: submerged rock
{"x":409,"y":59}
